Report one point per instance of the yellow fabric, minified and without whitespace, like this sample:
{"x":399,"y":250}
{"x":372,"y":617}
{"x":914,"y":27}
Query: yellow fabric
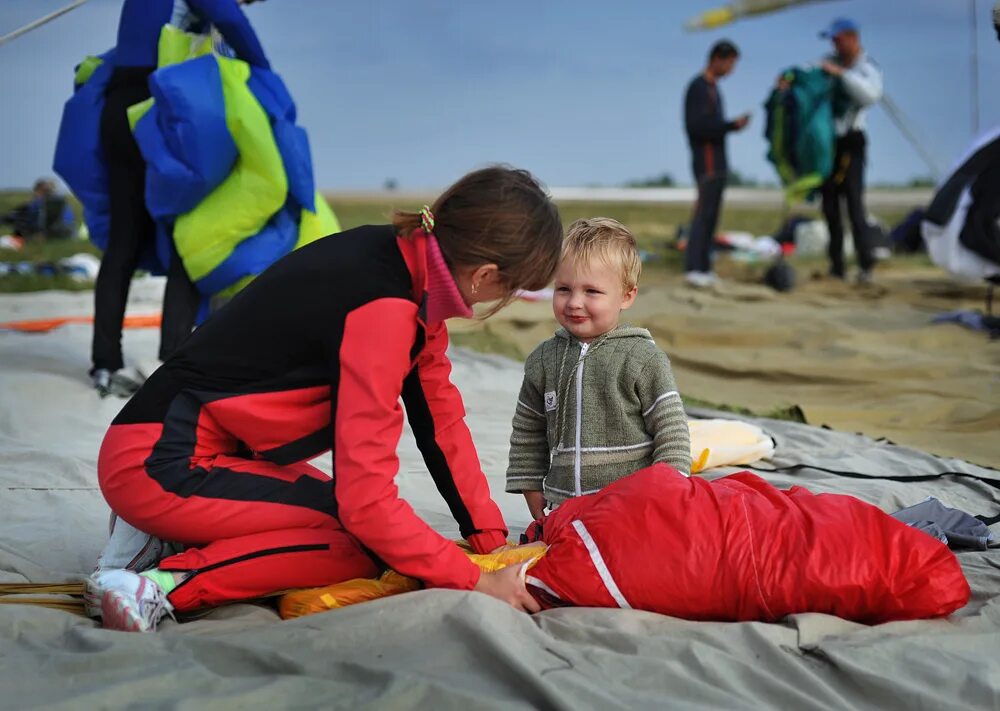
{"x":249,"y":196}
{"x":137,"y":111}
{"x":716,"y":18}
{"x":312,"y":600}
{"x":176,"y":46}
{"x":314,"y":225}
{"x":257,"y":186}
{"x":719,"y":443}
{"x":86,"y":69}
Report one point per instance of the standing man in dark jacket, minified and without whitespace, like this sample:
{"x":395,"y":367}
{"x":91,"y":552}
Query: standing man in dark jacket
{"x":706,"y":128}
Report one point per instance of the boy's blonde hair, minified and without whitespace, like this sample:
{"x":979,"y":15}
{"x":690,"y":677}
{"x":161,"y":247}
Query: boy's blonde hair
{"x":605,"y":239}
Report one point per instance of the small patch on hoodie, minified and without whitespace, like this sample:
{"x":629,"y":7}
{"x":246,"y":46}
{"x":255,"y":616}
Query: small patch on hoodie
{"x":550,"y":401}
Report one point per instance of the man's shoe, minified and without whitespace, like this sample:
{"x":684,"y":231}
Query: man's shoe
{"x":122,"y":382}
{"x":101,"y":378}
{"x":699,"y":280}
{"x":126,"y":381}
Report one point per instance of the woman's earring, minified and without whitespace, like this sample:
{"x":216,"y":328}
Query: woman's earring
{"x":475,"y":287}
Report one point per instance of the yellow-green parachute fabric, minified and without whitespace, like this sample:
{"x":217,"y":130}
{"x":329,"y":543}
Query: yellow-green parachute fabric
{"x":229,"y":174}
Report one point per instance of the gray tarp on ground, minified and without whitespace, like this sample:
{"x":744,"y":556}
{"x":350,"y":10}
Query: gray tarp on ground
{"x":444,"y":649}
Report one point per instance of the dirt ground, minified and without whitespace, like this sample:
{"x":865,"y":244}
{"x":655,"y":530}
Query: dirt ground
{"x":856,"y":359}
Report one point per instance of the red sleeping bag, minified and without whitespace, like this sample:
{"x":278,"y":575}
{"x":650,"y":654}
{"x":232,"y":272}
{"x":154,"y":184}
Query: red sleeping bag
{"x":737,"y":549}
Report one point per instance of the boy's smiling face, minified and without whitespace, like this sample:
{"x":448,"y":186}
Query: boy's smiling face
{"x":589,"y":298}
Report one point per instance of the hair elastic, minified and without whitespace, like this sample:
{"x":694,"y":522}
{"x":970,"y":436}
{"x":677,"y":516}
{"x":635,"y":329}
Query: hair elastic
{"x":427,"y":219}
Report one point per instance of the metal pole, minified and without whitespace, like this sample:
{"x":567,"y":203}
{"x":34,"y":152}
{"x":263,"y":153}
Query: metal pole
{"x":974,"y":62}
{"x":40,"y":21}
{"x":898,"y":118}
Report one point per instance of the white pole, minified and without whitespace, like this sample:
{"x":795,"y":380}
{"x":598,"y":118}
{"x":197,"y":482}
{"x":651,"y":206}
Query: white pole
{"x":902,"y":123}
{"x":40,"y":21}
{"x":974,"y":62}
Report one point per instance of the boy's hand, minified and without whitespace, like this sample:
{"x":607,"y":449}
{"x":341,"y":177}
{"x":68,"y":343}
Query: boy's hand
{"x":536,"y":504}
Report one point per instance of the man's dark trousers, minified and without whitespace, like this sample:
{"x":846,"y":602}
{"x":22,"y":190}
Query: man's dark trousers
{"x":698,"y":255}
{"x":847,"y":180}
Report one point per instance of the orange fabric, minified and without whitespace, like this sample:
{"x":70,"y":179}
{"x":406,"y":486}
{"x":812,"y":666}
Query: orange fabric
{"x":312,"y":600}
{"x":44,"y":325}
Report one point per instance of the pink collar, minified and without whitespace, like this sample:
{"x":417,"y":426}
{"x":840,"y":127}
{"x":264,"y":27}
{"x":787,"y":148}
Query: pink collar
{"x":444,"y":300}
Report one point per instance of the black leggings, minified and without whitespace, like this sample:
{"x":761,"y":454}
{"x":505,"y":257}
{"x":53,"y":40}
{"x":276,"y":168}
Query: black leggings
{"x":132,"y":231}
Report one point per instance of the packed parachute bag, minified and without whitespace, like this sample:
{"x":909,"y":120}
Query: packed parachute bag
{"x":731,"y":549}
{"x":800,"y":132}
{"x":739,"y":549}
{"x":229,"y":179}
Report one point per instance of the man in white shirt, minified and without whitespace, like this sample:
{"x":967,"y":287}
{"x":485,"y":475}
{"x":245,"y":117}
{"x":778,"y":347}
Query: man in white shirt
{"x":857,"y":85}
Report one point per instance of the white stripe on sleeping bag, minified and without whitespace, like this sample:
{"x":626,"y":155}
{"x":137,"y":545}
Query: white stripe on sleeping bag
{"x":599,"y":564}
{"x":535,"y":582}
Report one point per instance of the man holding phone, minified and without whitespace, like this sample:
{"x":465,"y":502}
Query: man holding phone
{"x":706,"y":128}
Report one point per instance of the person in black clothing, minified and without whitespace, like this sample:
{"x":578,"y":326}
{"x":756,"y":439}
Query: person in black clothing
{"x":132,"y":229}
{"x":706,"y":130}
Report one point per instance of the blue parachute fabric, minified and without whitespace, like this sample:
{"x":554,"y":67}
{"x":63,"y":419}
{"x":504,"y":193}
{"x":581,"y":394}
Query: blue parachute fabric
{"x":184,"y":137}
{"x":293,"y":143}
{"x":255,"y":254}
{"x":79,"y":157}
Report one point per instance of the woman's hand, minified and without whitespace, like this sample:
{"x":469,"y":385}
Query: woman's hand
{"x":506,"y":584}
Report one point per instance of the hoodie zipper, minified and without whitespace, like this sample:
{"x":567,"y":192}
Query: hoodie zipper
{"x":577,"y":465}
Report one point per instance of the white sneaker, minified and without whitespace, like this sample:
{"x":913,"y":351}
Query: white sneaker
{"x":127,"y":548}
{"x":701,"y":280}
{"x":132,"y":602}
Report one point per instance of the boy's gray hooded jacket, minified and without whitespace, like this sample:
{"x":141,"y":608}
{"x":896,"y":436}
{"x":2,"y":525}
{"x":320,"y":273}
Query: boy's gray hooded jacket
{"x":589,"y":414}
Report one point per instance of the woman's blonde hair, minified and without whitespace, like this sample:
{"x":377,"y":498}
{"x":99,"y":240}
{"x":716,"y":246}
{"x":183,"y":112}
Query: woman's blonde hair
{"x":497,"y":215}
{"x":608,"y":240}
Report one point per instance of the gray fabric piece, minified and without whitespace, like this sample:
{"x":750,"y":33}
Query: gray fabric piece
{"x":445,"y":649}
{"x":956,"y":528}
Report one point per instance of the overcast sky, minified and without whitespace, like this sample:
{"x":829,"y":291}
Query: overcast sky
{"x":578,"y":91}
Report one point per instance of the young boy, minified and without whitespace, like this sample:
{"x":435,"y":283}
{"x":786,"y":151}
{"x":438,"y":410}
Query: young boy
{"x":598,"y":400}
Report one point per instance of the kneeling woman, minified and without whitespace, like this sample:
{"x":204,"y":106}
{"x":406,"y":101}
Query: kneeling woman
{"x":314,"y":356}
